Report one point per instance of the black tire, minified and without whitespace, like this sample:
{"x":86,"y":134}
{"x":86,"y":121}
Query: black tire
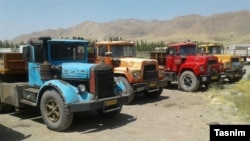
{"x":154,"y":94}
{"x":189,"y":82}
{"x":129,"y":89}
{"x":55,"y":112}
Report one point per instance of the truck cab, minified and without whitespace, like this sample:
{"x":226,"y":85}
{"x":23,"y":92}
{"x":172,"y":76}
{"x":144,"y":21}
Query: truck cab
{"x":61,"y":82}
{"x":233,"y":64}
{"x":141,"y":75}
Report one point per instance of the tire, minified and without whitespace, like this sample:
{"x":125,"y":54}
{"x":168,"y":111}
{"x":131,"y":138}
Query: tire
{"x":55,"y":112}
{"x":154,"y":94}
{"x":129,"y":89}
{"x":188,"y":81}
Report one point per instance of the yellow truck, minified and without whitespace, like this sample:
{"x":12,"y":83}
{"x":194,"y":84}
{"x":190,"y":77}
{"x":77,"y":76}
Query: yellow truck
{"x":233,"y":66}
{"x":140,"y":75}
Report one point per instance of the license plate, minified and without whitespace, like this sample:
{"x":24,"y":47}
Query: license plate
{"x":110,"y":102}
{"x":152,"y":84}
{"x":204,"y":79}
{"x":214,"y":77}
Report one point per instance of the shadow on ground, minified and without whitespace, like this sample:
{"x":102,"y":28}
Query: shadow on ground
{"x":8,"y":134}
{"x":85,"y":122}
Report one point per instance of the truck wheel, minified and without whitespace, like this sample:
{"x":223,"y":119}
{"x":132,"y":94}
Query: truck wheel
{"x":55,"y":112}
{"x":154,"y":94}
{"x":129,"y":89}
{"x":189,"y":82}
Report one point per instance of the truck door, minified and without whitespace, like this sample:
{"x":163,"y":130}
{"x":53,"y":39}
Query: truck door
{"x":100,"y":53}
{"x":171,"y":59}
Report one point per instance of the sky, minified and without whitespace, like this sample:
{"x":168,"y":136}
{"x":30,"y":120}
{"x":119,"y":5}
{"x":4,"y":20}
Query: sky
{"x":26,"y":16}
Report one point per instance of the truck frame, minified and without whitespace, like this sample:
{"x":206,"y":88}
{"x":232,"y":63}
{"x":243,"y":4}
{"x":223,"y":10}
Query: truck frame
{"x":140,"y":75}
{"x":62,"y":82}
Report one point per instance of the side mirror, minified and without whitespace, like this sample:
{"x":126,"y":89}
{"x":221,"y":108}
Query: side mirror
{"x":27,"y":56}
{"x":26,"y":53}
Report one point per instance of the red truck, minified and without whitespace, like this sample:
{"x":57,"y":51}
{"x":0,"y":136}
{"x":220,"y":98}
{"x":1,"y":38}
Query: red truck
{"x":189,"y":69}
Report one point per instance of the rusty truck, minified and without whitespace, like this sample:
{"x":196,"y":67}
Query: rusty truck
{"x":58,"y":79}
{"x":141,"y":75}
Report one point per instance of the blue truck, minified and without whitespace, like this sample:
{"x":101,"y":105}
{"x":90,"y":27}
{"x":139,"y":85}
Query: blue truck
{"x":60,"y":82}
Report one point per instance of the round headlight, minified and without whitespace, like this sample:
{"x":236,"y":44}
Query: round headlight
{"x":161,"y":72}
{"x":202,"y":68}
{"x":136,"y":75}
{"x":81,"y":88}
{"x":227,"y":64}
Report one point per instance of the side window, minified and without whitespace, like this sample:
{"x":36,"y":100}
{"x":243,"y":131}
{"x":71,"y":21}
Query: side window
{"x":80,"y":52}
{"x":170,"y":51}
{"x":101,"y":50}
{"x":38,"y":51}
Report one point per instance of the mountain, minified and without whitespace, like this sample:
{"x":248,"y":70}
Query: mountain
{"x":230,"y":27}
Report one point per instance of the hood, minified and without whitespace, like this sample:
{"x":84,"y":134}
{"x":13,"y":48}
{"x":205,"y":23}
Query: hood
{"x":76,"y":70}
{"x":226,"y":57}
{"x":136,"y":62}
{"x":201,"y":59}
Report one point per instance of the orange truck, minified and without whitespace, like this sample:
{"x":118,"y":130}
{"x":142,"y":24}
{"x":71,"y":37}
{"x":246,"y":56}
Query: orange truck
{"x":139,"y":75}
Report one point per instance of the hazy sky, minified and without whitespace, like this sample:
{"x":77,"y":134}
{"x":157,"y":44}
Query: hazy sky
{"x":26,"y":16}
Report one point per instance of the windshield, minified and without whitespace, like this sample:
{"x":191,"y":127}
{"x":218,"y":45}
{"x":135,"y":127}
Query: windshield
{"x":67,"y":51}
{"x":123,"y":51}
{"x":187,"y":50}
{"x":215,"y":50}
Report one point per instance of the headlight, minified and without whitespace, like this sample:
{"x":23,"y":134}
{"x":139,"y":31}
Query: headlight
{"x":227,"y":65}
{"x":221,"y":67}
{"x":202,"y":68}
{"x":136,"y":75}
{"x":81,"y":88}
{"x":161,"y":72}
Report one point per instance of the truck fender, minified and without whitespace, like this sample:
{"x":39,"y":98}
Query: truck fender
{"x":67,"y":91}
{"x":120,"y":86}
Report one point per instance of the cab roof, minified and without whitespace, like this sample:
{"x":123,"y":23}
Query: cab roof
{"x":114,"y":43}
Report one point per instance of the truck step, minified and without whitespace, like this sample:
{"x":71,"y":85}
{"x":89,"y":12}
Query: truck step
{"x":24,"y":101}
{"x":32,"y":90}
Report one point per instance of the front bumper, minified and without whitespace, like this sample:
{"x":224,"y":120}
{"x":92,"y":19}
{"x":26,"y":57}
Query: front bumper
{"x":107,"y":104}
{"x":231,"y":74}
{"x":150,"y":86}
{"x":212,"y":78}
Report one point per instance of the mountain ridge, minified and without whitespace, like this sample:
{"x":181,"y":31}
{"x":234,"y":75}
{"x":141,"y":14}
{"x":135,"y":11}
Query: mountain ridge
{"x":229,"y":27}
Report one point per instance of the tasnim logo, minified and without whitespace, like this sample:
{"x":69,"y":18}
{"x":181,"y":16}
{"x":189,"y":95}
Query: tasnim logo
{"x":223,"y":132}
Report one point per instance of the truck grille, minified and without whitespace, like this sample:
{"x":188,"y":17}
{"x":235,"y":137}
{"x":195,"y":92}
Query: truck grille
{"x":104,"y":81}
{"x":210,"y":63}
{"x":150,"y":72}
{"x":236,"y":64}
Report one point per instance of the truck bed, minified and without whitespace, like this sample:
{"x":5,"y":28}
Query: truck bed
{"x":160,"y":56}
{"x":12,"y":67}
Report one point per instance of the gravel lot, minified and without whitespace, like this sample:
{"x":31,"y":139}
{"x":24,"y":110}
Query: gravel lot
{"x":174,"y":116}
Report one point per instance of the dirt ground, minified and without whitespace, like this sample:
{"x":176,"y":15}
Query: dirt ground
{"x":174,"y":116}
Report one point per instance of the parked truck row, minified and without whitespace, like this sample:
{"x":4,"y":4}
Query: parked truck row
{"x":61,"y":77}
